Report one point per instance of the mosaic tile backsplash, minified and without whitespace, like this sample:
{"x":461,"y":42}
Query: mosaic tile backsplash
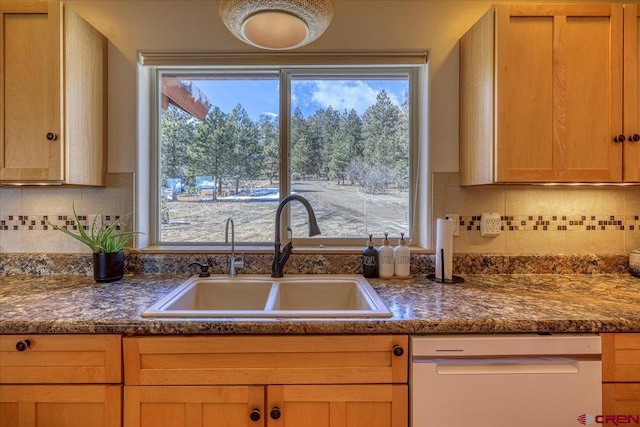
{"x":25,"y":213}
{"x":559,"y":222}
{"x":537,"y":219}
{"x":469,"y":223}
{"x":44,"y":222}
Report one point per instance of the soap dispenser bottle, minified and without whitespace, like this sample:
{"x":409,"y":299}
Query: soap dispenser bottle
{"x":386,"y":258}
{"x":402,"y":257}
{"x":370,"y":259}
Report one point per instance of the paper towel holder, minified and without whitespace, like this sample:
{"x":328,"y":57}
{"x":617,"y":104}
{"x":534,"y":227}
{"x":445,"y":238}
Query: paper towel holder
{"x":454,"y":278}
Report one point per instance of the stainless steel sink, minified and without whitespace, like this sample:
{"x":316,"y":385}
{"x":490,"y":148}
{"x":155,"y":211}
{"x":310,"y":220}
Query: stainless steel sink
{"x":262,"y":296}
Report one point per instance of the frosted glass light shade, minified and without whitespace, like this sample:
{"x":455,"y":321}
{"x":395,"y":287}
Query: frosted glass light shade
{"x":276,"y":24}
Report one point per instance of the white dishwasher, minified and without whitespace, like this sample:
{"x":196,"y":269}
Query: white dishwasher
{"x":521,"y":380}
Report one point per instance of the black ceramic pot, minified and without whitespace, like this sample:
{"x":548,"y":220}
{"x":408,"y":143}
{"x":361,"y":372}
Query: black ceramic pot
{"x":108,"y":267}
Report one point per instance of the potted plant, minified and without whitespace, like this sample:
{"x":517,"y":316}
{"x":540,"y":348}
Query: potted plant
{"x":106,"y":242}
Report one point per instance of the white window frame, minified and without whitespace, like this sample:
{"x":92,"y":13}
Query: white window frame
{"x":152,"y":66}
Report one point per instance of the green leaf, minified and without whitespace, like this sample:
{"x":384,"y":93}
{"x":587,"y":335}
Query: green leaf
{"x":105,"y":238}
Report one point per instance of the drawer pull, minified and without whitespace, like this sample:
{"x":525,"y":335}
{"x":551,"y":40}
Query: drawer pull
{"x":634,"y":138}
{"x":398,"y":351}
{"x":275,"y":413}
{"x":255,"y":414}
{"x":619,"y":138}
{"x":52,"y":136}
{"x":23,"y":345}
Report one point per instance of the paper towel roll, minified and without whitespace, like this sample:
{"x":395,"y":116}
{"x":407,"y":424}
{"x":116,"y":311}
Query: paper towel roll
{"x":444,"y":241}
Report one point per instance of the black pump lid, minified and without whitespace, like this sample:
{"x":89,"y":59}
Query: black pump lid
{"x":370,"y":242}
{"x":402,"y":242}
{"x":386,"y":239}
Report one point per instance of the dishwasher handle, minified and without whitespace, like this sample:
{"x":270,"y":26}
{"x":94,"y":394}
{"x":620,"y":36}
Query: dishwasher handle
{"x":504,"y":366}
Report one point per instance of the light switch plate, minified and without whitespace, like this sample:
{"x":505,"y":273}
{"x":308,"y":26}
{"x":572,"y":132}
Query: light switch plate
{"x":456,"y":221}
{"x":490,"y":224}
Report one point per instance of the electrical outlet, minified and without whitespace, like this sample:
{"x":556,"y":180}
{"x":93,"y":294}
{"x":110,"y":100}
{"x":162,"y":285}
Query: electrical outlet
{"x":456,"y":222}
{"x":490,"y":224}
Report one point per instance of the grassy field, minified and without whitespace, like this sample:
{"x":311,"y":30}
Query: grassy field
{"x":340,"y":211}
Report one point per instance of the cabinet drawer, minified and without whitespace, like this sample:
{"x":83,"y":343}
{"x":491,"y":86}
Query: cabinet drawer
{"x":341,"y":359}
{"x":620,"y":357}
{"x":51,"y":359}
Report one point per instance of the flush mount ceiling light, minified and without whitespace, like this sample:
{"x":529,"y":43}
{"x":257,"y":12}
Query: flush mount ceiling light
{"x":276,"y":24}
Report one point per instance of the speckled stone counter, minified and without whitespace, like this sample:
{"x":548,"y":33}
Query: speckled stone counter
{"x":491,"y":303}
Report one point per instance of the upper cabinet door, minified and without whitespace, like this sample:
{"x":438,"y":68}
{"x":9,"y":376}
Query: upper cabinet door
{"x":541,"y":95}
{"x":31,"y":140}
{"x":559,"y":92}
{"x":53,"y":107}
{"x":631,"y":95}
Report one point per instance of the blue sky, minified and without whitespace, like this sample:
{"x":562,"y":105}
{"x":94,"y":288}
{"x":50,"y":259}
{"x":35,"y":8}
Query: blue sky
{"x":261,"y":96}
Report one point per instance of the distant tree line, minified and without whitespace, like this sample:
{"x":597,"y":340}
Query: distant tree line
{"x":371,"y":151}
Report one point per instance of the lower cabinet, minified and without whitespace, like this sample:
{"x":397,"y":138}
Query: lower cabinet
{"x":288,"y":405}
{"x":60,"y":381}
{"x":276,"y":381}
{"x":621,"y":374}
{"x":193,"y":406}
{"x":60,"y":405}
{"x":338,"y":405}
{"x":621,"y":399}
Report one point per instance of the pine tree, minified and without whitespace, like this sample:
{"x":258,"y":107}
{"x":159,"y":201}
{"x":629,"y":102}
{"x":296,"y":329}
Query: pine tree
{"x":346,"y":145}
{"x":212,"y":140}
{"x":383,"y":144}
{"x":300,"y":146}
{"x":176,"y":133}
{"x":379,"y":130}
{"x":322,"y":127}
{"x":269,"y":138}
{"x":244,"y":160}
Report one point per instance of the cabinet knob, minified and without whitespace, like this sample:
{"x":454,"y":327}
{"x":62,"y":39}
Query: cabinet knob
{"x":398,"y":351}
{"x":23,"y":345}
{"x":275,"y":413}
{"x":255,"y":414}
{"x":52,"y":136}
{"x":619,"y":138}
{"x":634,"y":138}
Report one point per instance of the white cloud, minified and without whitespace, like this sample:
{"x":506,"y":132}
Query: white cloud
{"x":341,"y":95}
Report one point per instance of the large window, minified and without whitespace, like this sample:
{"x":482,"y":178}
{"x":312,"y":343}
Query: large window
{"x":233,"y":142}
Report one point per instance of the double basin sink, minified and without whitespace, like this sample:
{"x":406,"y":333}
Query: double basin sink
{"x":302,"y":296}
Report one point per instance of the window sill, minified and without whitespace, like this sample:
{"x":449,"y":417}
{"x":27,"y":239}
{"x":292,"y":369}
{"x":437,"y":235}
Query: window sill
{"x":259,"y":249}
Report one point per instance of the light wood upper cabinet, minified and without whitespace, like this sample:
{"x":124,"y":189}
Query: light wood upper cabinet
{"x":541,"y":95}
{"x":631,"y":95}
{"x":53,"y":104}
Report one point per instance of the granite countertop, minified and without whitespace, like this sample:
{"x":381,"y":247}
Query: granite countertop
{"x":491,"y":303}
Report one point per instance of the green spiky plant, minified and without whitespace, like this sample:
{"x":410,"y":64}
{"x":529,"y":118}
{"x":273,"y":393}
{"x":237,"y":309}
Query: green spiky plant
{"x":105,"y":238}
